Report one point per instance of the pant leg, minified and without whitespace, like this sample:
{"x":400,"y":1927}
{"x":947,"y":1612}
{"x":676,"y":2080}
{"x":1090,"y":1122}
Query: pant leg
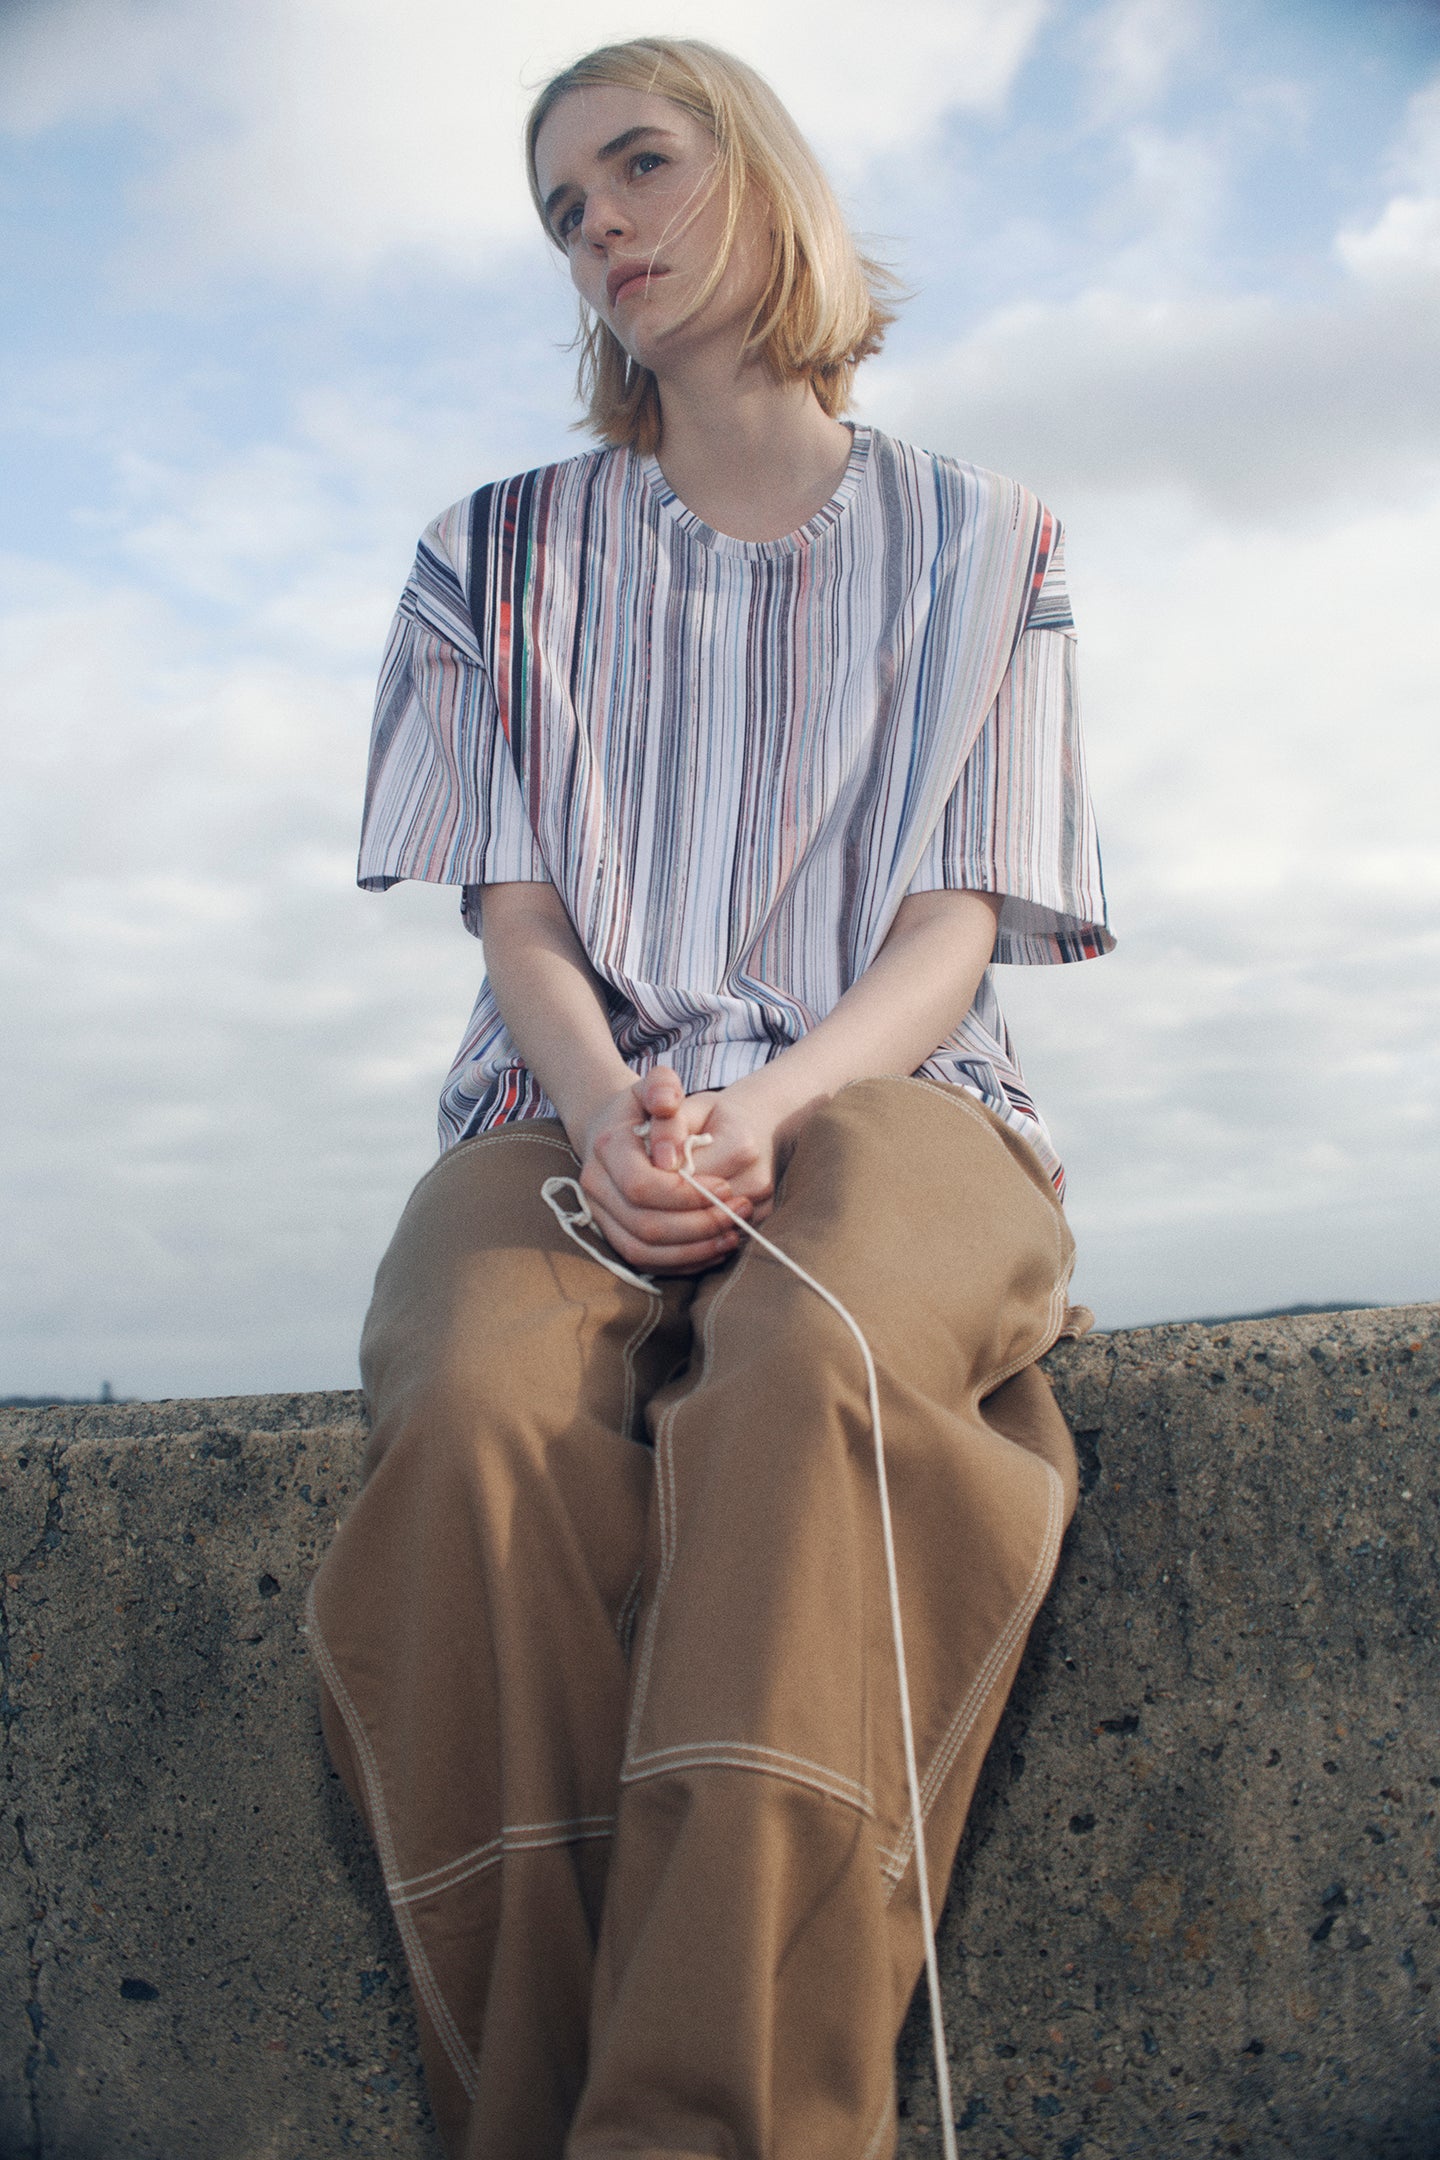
{"x":760,"y":1941}
{"x":471,"y":1621}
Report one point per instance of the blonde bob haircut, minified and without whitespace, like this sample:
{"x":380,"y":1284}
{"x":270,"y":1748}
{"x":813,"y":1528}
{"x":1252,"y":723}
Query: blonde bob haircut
{"x":823,"y":309}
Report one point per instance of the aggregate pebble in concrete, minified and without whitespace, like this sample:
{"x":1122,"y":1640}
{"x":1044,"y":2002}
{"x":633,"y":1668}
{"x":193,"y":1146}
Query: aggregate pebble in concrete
{"x":201,"y":1964}
{"x":1198,"y":1906}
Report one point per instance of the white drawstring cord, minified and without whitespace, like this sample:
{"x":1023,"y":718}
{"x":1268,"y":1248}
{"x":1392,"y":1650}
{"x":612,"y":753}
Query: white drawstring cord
{"x":583,"y":1219}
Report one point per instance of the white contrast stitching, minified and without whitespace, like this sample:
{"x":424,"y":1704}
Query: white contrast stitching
{"x":750,"y":1755}
{"x":625,"y":1618}
{"x":506,"y":1830}
{"x":533,"y":1837}
{"x":1020,"y":1620}
{"x":648,"y":1324}
{"x":421,"y":1970}
{"x":666,"y":1503}
{"x":880,"y":2128}
{"x":983,"y":1685}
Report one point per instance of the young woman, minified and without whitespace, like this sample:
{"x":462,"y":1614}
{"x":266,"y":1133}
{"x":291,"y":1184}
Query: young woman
{"x":750,"y":738}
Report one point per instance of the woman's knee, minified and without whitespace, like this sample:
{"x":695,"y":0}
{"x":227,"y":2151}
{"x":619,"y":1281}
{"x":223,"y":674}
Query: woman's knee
{"x":505,"y":1359}
{"x":911,"y":1176}
{"x":883,"y":1124}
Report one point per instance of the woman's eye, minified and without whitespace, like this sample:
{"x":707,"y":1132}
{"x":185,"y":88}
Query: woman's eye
{"x":646,"y":161}
{"x":569,"y":220}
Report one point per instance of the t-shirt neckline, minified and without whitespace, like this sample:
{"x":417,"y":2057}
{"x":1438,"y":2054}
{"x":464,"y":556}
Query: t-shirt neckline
{"x":804,"y":536}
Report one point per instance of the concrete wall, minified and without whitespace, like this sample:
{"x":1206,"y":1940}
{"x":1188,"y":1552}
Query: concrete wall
{"x":1198,"y":1908}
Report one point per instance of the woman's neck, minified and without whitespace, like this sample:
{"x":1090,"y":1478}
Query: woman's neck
{"x":751,"y":457}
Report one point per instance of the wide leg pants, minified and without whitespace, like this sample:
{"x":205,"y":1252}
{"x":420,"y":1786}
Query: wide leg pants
{"x":605,"y":1640}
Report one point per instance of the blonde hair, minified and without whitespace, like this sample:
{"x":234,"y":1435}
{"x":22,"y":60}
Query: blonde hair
{"x":823,"y":309}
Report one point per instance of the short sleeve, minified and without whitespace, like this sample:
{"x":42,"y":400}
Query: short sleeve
{"x":1019,"y":821}
{"x":442,"y":797}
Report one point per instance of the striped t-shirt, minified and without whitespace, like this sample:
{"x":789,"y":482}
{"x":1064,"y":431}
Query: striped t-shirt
{"x":733,"y":759}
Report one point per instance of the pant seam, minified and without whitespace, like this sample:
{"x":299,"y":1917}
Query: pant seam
{"x":506,"y":1831}
{"x":579,"y":1832}
{"x":983,"y":1685}
{"x":878,"y":2133}
{"x":512,"y":1133}
{"x":665,"y":1480}
{"x":427,"y":1986}
{"x":896,"y":1862}
{"x":750,"y":1755}
{"x":1029,"y":1604}
{"x":629,"y":1606}
{"x":648,"y":1324}
{"x":666,"y":1504}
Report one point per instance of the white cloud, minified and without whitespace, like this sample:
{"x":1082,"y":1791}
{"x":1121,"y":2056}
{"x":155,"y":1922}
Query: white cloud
{"x":298,"y":542}
{"x":1402,"y":245}
{"x":1135,"y":48}
{"x":1244,"y":405}
{"x":325,"y":137}
{"x":1416,"y":156}
{"x":231,"y":1058}
{"x":1245,"y":1091}
{"x":1277,"y":696}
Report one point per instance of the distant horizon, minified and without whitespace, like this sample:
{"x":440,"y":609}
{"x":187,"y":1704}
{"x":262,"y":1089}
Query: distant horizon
{"x":112,"y":1401}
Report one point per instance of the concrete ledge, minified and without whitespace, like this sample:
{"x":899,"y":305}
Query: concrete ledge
{"x":1198,"y":1908}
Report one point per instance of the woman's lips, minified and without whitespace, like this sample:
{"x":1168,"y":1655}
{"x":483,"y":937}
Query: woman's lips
{"x":634,"y":281}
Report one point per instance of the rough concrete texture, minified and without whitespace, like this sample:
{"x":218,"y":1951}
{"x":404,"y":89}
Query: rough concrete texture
{"x":1198,"y":1907}
{"x":1198,"y":1904}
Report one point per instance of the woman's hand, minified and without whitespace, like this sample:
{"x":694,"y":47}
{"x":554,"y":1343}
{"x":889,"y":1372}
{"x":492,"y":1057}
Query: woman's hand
{"x":748,"y":1129}
{"x":745,"y":1143}
{"x":910,"y":997}
{"x":651,"y":1217}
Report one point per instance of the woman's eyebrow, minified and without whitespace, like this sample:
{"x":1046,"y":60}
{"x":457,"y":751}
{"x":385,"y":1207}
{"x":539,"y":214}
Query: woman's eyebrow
{"x":617,"y":143}
{"x":621,"y":142}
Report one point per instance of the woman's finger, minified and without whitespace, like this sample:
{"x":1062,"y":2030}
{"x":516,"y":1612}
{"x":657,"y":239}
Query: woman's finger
{"x":665,"y":1258}
{"x":661,"y":1092}
{"x":651,"y":1192}
{"x":675,"y":1120}
{"x":665,"y":1143}
{"x":623,"y":1161}
{"x":686,"y":1218}
{"x":620,"y":1159}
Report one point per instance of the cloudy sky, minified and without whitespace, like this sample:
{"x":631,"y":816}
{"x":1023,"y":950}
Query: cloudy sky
{"x":270,"y":296}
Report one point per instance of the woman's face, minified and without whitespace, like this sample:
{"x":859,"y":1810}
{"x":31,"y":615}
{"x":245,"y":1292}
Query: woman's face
{"x":628,"y":180}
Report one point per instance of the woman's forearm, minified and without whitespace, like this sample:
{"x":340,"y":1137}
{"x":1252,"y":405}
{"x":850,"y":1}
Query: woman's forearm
{"x":910,"y":999}
{"x":553,"y":1005}
{"x":551,"y":1000}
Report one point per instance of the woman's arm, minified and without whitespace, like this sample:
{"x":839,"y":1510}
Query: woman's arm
{"x":911,"y":998}
{"x":551,"y":999}
{"x":553,"y":1006}
{"x":913,"y":995}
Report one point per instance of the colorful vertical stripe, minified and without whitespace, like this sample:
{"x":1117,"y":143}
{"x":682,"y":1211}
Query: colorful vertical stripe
{"x":733,"y":759}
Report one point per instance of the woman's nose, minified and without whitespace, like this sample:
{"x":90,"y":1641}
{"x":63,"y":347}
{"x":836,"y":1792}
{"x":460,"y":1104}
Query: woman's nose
{"x":602,"y":222}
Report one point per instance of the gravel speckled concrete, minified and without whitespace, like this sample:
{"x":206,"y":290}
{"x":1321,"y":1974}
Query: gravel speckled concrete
{"x":1198,"y":1908}
{"x":201,"y":1965}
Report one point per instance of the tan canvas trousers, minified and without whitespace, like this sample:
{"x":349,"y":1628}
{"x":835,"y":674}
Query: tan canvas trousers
{"x":605,"y":1639}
